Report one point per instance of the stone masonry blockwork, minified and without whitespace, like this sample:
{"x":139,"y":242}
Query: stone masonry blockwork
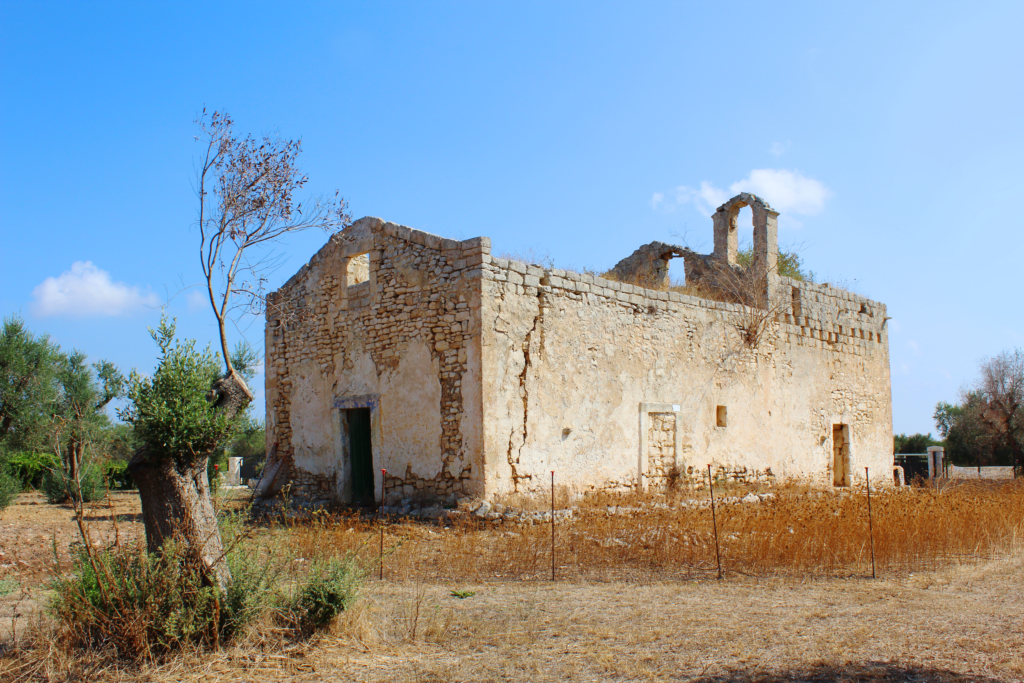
{"x":482,"y":375}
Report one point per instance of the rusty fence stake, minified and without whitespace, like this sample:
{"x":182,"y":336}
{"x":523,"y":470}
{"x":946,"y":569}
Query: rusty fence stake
{"x":714,"y":521}
{"x":383,"y":477}
{"x":552,"y":525}
{"x":871,"y":529}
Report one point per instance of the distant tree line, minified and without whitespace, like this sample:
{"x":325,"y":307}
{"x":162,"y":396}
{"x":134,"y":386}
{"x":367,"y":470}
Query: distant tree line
{"x":56,"y":433}
{"x":986,"y":425}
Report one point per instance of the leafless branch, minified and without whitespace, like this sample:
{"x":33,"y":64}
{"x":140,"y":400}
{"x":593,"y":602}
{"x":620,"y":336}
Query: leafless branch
{"x":246,"y":189}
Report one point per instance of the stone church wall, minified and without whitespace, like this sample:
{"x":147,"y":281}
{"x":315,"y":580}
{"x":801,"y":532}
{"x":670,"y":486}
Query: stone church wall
{"x":383,"y":317}
{"x":483,"y":375}
{"x":611,"y":385}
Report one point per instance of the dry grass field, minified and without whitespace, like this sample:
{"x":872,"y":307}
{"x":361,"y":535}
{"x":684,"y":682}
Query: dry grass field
{"x":636,"y":596}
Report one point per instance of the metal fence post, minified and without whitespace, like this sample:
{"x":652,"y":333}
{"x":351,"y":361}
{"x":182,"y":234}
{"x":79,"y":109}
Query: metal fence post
{"x":871,"y":528}
{"x":552,"y":525}
{"x":714,"y":521}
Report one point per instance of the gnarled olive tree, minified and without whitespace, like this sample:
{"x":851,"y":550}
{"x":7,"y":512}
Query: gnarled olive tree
{"x":246,"y":189}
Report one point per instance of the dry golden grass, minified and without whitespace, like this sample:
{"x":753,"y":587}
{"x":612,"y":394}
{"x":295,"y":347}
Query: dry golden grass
{"x":797,"y":532}
{"x":637,"y":599}
{"x":961,"y":624}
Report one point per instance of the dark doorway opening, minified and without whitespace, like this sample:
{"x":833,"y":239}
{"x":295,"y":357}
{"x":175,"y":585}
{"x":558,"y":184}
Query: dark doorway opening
{"x":361,"y":451}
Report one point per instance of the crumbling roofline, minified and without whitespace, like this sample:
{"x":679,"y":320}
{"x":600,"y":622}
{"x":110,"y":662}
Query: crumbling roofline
{"x":353,"y":239}
{"x":357,"y":239}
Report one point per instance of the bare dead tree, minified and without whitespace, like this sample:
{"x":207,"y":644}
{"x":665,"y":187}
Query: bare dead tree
{"x":247,"y":202}
{"x":1002,"y":386}
{"x":246,"y":190}
{"x":757,"y":291}
{"x":754,"y":287}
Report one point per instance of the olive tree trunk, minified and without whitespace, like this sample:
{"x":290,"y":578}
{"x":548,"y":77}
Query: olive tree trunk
{"x":175,"y":494}
{"x":176,"y":505}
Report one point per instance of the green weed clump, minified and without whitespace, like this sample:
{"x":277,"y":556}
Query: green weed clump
{"x":58,"y":487}
{"x":141,"y":605}
{"x":331,"y":588}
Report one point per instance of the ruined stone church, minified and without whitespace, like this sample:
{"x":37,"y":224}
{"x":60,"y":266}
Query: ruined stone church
{"x":403,"y":365}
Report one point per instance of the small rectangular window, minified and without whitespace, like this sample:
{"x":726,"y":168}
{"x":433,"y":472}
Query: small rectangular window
{"x":357,"y":280}
{"x":358,"y":269}
{"x":720,"y":416}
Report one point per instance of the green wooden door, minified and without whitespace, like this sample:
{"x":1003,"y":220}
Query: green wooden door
{"x":361,"y":452}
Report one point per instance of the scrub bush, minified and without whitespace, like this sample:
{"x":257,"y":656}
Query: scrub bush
{"x":117,"y":475}
{"x":28,"y":467}
{"x":58,"y":488}
{"x":147,"y":605}
{"x":331,"y":588}
{"x":9,"y":488}
{"x":140,"y":604}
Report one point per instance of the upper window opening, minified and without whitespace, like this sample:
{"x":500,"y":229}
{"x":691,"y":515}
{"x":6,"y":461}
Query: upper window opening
{"x":745,"y":237}
{"x":358,"y":269}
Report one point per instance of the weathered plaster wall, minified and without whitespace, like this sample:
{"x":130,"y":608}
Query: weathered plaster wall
{"x":483,"y":375}
{"x":568,"y":361}
{"x":382,"y":317}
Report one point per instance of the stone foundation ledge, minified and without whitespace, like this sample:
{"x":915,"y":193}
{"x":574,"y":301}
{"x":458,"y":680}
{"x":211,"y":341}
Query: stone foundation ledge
{"x":479,"y":510}
{"x":474,"y":509}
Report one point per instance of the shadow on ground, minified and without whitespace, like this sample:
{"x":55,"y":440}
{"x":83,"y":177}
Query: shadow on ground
{"x":860,"y":673}
{"x":130,"y":517}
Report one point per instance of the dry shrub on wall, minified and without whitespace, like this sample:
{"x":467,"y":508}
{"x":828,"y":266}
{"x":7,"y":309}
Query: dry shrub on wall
{"x":797,"y":531}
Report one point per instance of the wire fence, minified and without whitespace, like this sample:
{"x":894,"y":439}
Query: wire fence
{"x":666,"y":536}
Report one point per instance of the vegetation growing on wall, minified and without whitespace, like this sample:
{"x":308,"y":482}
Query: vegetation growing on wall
{"x":790,"y":264}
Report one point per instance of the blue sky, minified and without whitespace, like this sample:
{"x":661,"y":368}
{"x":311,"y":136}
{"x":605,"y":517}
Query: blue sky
{"x":887,"y":134}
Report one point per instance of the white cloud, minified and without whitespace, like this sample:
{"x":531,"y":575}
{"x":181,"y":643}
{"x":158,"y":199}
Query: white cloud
{"x":778,"y":148}
{"x":788,"y":192}
{"x":87,"y":290}
{"x":707,"y":197}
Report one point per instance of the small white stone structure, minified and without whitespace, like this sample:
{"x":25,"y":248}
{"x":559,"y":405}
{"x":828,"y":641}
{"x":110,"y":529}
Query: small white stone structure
{"x":234,"y":473}
{"x":899,"y":478}
{"x":463,"y":374}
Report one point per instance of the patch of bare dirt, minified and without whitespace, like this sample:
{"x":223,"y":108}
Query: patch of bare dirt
{"x":35,"y":536}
